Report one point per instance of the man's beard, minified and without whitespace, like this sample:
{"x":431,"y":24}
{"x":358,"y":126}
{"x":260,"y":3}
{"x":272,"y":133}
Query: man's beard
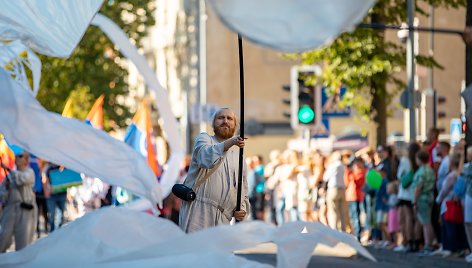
{"x":224,"y":133}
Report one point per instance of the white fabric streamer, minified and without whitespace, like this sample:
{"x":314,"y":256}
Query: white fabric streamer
{"x":118,"y":237}
{"x":72,"y":143}
{"x":316,"y":233}
{"x":291,"y":26}
{"x":50,"y":27}
{"x":11,"y":60}
{"x":170,"y":126}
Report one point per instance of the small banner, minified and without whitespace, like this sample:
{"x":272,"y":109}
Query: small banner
{"x":61,"y":180}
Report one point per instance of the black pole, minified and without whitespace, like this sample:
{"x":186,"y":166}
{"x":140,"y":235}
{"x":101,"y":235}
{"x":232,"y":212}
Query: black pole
{"x":468,"y":73}
{"x":241,"y":132}
{"x":380,"y":26}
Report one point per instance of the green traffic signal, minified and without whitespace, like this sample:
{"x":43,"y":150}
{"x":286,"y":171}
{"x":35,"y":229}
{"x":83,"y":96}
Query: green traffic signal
{"x":306,"y":114}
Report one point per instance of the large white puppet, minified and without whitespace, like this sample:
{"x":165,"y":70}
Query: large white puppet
{"x":54,"y":28}
{"x":291,"y":26}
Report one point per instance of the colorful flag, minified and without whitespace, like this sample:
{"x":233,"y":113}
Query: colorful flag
{"x":67,"y":112}
{"x":34,"y":164}
{"x":95,"y":116}
{"x":139,"y":134}
{"x":7,"y":157}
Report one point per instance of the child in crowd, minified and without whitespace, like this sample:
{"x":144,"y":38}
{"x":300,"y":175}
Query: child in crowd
{"x":381,"y":210}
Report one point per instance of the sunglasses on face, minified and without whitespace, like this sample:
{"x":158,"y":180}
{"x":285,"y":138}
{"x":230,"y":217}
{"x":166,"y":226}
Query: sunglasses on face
{"x":20,"y":155}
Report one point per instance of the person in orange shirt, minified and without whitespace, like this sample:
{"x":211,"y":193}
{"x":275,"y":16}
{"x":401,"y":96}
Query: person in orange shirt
{"x":355,"y":180}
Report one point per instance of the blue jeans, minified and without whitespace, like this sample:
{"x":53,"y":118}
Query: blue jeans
{"x":56,"y":200}
{"x":355,"y":208}
{"x":279,"y":211}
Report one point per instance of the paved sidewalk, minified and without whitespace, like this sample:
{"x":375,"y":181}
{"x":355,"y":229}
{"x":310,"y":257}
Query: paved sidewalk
{"x":340,"y":257}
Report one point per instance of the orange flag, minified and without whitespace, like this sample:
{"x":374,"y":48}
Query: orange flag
{"x":95,"y":116}
{"x":7,"y":157}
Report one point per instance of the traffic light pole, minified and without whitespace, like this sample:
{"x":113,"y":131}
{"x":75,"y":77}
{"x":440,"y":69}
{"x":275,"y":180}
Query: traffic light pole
{"x":318,"y":108}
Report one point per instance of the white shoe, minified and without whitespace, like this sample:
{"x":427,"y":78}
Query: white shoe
{"x":438,"y":252}
{"x":384,"y":244}
{"x":446,"y":253}
{"x":468,"y":258}
{"x":400,"y":248}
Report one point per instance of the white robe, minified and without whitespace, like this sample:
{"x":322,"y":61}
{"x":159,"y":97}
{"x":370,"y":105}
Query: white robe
{"x":216,"y":196}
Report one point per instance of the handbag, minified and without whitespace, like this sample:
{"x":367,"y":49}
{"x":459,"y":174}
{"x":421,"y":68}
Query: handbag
{"x":407,"y":179}
{"x":186,"y":193}
{"x":454,"y":212}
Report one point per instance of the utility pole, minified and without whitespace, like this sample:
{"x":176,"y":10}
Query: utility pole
{"x":410,"y":63}
{"x":201,"y":21}
{"x":468,"y":70}
{"x":430,"y":70}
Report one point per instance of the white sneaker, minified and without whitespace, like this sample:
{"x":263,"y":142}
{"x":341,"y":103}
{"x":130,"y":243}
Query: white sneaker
{"x":384,"y":244}
{"x":446,"y":253}
{"x":438,"y":252}
{"x":400,"y":248}
{"x":468,"y":258}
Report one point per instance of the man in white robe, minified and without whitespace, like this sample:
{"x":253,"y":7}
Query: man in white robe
{"x":215,"y":201}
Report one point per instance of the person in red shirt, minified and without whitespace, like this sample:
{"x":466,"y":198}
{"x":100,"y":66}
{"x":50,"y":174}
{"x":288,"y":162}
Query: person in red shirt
{"x":355,"y":180}
{"x":433,"y":139}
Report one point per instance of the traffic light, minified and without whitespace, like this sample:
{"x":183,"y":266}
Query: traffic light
{"x":304,"y":96}
{"x":306,"y":102}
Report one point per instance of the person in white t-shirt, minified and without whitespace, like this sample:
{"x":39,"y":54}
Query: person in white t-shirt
{"x":336,"y":194}
{"x":443,"y":149}
{"x":405,"y":197}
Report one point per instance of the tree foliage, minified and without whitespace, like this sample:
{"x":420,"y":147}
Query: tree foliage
{"x":366,"y":62}
{"x":95,"y":67}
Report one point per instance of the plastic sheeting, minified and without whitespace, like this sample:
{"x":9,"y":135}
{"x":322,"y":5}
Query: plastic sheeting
{"x":170,"y":126}
{"x":72,"y":143}
{"x":50,"y":27}
{"x":118,"y":237}
{"x":291,"y":26}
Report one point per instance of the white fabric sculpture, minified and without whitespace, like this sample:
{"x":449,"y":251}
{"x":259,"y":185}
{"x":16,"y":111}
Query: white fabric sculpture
{"x":291,"y":26}
{"x":72,"y":143}
{"x":27,"y":21}
{"x":14,"y":57}
{"x":50,"y":27}
{"x":119,"y":237}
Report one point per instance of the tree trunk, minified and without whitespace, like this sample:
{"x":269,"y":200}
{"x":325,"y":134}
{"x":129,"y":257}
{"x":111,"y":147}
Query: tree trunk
{"x":379,"y":87}
{"x":468,"y":70}
{"x":379,"y":107}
